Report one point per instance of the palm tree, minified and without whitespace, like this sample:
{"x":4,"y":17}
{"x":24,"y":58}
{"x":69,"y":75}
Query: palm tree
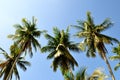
{"x":116,"y":50}
{"x":5,"y":66}
{"x":98,"y":74}
{"x":59,"y":47}
{"x":25,"y":36}
{"x":93,"y":39}
{"x":80,"y":75}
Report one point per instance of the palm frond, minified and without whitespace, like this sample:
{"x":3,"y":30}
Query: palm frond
{"x":108,"y":39}
{"x":116,"y":57}
{"x":8,"y":68}
{"x":36,"y":33}
{"x":5,"y":54}
{"x":22,"y":66}
{"x":82,"y":45}
{"x":50,"y":38}
{"x":16,"y":73}
{"x":34,"y":20}
{"x":74,"y":47}
{"x":2,"y":71}
{"x":90,"y":54}
{"x":56,"y":31}
{"x":117,"y":67}
{"x":90,"y":20}
{"x":35,"y":44}
{"x":116,"y":50}
{"x":69,"y":75}
{"x":11,"y":36}
{"x":67,"y":30}
{"x":18,"y":26}
{"x":26,"y":63}
{"x":83,"y":34}
{"x":47,"y":49}
{"x":104,"y":25}
{"x":26,"y":23}
{"x":81,"y":75}
{"x":55,"y":64}
{"x":91,"y":49}
{"x":80,"y":25}
{"x":3,"y":64}
{"x":51,"y":55}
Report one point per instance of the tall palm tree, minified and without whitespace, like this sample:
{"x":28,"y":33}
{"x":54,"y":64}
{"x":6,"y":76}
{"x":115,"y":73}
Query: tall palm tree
{"x":58,"y":47}
{"x":80,"y":75}
{"x":98,"y":74}
{"x":25,"y":36}
{"x":5,"y":66}
{"x":116,"y":50}
{"x":93,"y":39}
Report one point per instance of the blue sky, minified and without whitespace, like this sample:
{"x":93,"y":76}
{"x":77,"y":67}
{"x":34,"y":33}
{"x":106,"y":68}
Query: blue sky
{"x":60,"y":13}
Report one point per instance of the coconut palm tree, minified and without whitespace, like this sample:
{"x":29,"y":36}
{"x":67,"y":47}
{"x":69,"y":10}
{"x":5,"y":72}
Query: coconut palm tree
{"x":6,"y":65}
{"x":25,"y":36}
{"x":94,"y":41}
{"x":81,"y":74}
{"x":116,"y":50}
{"x":98,"y":74}
{"x":58,"y":46}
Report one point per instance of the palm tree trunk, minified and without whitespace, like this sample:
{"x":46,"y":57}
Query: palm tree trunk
{"x":109,"y":67}
{"x":13,"y":65}
{"x":11,"y":70}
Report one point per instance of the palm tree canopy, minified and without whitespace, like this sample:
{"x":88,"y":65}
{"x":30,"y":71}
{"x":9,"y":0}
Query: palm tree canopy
{"x":116,"y":50}
{"x":93,"y":39}
{"x":59,"y":47}
{"x":26,"y":35}
{"x":98,"y":74}
{"x":5,"y":66}
{"x":81,"y":74}
{"x":68,"y":76}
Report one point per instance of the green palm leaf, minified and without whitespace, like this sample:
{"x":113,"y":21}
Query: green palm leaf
{"x":16,"y":73}
{"x":5,"y":54}
{"x":81,"y":75}
{"x":117,"y":66}
{"x":116,"y":50}
{"x":116,"y":57}
{"x":51,"y":55}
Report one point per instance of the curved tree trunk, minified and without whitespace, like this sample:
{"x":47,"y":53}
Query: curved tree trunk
{"x":13,"y":65}
{"x":109,"y":67}
{"x":15,"y":61}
